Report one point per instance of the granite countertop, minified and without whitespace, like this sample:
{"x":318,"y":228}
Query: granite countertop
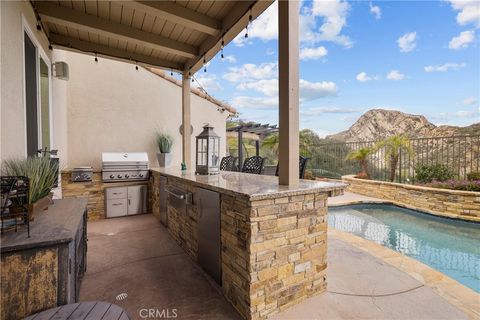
{"x":254,"y":186}
{"x":58,"y":224}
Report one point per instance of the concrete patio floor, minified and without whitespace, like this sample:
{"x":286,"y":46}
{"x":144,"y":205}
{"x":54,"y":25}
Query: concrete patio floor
{"x":135,"y":255}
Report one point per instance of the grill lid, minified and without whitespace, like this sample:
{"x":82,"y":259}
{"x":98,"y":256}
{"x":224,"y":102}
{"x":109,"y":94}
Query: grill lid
{"x":120,"y":159}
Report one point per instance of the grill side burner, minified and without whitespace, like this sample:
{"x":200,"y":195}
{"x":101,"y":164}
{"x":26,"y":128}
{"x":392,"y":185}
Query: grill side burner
{"x":124,"y":166}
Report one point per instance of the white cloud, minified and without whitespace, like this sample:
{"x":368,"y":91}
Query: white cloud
{"x":462,"y":41}
{"x":268,"y":87}
{"x":230,"y":58}
{"x":249,"y":71}
{"x":363,"y":77}
{"x":395,"y":75}
{"x":469,"y":11}
{"x":334,"y":18}
{"x":313,"y":53}
{"x":376,"y":11}
{"x":407,"y":42}
{"x":270,"y":51}
{"x":315,"y":90}
{"x":334,"y":14}
{"x":208,"y":82}
{"x":255,"y":102}
{"x":445,"y":67}
{"x":469,"y":101}
{"x":308,"y":90}
{"x":328,"y":110}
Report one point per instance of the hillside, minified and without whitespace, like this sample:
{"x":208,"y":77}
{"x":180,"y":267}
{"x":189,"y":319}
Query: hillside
{"x":377,"y":124}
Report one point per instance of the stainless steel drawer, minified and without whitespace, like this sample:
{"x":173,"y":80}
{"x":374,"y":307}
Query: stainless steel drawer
{"x":116,"y":193}
{"x":116,"y":207}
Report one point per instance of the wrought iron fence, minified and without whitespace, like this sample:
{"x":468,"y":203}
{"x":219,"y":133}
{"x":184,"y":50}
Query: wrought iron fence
{"x":461,"y":154}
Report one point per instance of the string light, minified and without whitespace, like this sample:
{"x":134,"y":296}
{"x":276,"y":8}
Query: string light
{"x":39,"y":27}
{"x":50,"y":47}
{"x":171,"y":72}
{"x":204,"y":64}
{"x":248,"y":24}
{"x":136,"y":65}
{"x":223,"y":43}
{"x":96,"y":59}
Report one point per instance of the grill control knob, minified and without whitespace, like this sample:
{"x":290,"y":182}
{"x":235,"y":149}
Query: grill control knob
{"x":141,"y":175}
{"x":119,"y":176}
{"x":112,"y":176}
{"x":126,"y":176}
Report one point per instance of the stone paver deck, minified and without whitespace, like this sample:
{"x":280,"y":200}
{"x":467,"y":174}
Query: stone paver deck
{"x":136,"y":255}
{"x":352,"y":198}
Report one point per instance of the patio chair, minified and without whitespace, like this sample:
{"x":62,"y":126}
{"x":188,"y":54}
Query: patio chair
{"x":253,"y":165}
{"x":228,"y":163}
{"x":302,"y":162}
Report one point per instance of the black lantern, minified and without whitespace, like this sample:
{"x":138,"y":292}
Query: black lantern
{"x":208,"y":151}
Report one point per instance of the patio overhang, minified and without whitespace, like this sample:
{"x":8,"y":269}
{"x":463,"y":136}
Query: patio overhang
{"x":171,"y":35}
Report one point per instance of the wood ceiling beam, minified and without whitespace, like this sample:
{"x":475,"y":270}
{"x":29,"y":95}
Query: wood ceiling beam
{"x":176,"y":13}
{"x":233,"y":24}
{"x":50,"y":12}
{"x":77,"y":45}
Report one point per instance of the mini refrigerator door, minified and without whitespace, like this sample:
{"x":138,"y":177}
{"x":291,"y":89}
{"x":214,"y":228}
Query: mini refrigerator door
{"x":209,"y":242}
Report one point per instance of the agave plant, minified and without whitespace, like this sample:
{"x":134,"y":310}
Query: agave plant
{"x":361,"y":156}
{"x":164,"y":142}
{"x":41,"y":172}
{"x":393,"y":147}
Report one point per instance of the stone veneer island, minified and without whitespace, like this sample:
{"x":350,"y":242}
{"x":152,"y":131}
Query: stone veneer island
{"x":273,"y":237}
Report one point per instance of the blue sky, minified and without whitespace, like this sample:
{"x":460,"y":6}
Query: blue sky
{"x":419,"y":57}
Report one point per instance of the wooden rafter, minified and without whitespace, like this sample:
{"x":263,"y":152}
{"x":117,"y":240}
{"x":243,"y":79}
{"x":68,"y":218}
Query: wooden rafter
{"x":176,"y":13}
{"x":50,"y":12}
{"x":72,"y":44}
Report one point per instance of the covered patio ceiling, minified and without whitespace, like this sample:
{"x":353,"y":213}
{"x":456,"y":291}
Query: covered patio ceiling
{"x":176,"y":35}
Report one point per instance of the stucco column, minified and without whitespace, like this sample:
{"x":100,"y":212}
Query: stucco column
{"x":288,"y":47}
{"x":186,"y":123}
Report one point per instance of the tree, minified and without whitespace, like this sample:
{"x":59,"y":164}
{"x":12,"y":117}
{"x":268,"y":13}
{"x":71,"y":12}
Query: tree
{"x":361,"y":156}
{"x":308,"y":140}
{"x":393,"y":147}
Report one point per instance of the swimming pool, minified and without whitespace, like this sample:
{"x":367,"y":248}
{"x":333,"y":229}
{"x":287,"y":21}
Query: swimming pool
{"x":449,"y":246}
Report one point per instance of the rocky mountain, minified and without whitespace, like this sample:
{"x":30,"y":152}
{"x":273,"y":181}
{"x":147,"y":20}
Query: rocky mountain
{"x":376,"y":124}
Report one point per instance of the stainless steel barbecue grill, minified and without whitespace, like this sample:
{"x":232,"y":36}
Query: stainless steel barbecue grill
{"x":124,"y":166}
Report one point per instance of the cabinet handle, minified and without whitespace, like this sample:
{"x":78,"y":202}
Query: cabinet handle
{"x":117,"y":192}
{"x":116,"y":204}
{"x":128,"y":201}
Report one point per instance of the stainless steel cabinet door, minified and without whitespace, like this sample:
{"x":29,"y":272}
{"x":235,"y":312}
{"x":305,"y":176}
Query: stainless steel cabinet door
{"x":137,"y":199}
{"x":116,"y":208}
{"x":209,"y":242}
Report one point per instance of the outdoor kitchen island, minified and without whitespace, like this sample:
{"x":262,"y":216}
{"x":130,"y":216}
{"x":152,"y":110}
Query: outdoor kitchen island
{"x":264,"y":243}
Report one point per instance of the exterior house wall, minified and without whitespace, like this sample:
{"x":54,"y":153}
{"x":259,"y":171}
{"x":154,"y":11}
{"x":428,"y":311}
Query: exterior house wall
{"x":14,"y":16}
{"x":113,"y":107}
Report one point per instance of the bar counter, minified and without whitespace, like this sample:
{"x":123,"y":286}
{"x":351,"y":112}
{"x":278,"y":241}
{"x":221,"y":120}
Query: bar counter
{"x":271,"y":238}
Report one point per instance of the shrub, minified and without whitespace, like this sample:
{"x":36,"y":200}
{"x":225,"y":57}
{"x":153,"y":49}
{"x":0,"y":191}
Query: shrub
{"x":464,"y":185}
{"x":41,"y":172}
{"x":429,"y":173}
{"x":474,"y":175}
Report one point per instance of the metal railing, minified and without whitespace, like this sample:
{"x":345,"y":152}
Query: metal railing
{"x":461,"y":154}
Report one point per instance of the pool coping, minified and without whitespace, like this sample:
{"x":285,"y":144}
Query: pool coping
{"x":460,"y":296}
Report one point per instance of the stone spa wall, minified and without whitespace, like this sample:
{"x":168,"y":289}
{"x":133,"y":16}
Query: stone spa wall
{"x":442,"y":202}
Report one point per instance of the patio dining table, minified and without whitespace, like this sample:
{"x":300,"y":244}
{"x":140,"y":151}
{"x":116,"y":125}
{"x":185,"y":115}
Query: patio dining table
{"x":93,"y":310}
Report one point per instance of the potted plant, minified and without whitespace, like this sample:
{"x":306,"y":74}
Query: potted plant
{"x":41,"y":173}
{"x":164,"y":144}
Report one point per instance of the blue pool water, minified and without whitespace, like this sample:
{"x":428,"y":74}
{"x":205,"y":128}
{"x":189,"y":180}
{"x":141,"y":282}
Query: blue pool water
{"x":449,"y":246}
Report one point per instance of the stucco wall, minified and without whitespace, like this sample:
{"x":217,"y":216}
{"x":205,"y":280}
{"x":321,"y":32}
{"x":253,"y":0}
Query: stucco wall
{"x":13,"y":141}
{"x":113,"y":107}
{"x":442,"y":202}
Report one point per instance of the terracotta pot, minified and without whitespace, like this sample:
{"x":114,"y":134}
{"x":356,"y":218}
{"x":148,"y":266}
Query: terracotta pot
{"x":39,"y":206}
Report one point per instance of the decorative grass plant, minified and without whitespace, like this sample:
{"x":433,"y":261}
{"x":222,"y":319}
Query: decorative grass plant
{"x":164,"y":142}
{"x":41,"y":172}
